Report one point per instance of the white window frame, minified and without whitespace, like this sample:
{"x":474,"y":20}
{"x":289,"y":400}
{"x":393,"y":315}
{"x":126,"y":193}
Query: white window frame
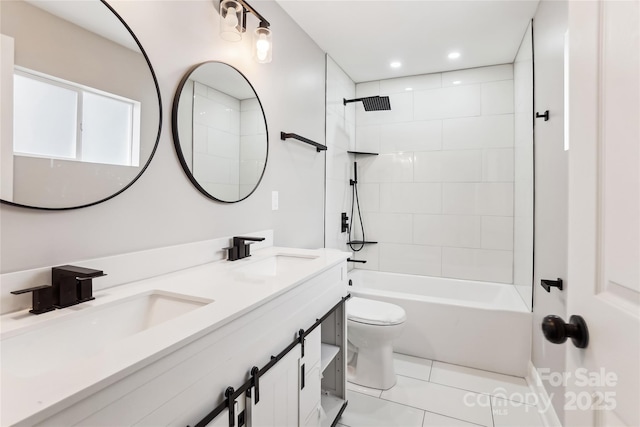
{"x":134,"y":146}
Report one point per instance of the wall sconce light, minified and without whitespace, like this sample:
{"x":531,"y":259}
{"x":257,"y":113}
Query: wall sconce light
{"x":262,"y":44}
{"x":233,"y":22}
{"x":232,"y":18}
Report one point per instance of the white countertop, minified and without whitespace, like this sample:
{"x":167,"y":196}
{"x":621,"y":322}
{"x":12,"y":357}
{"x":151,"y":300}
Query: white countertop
{"x":234,"y":292}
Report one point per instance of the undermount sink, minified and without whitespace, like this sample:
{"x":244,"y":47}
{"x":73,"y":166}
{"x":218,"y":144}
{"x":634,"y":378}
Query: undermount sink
{"x":277,"y":264}
{"x":90,"y":331}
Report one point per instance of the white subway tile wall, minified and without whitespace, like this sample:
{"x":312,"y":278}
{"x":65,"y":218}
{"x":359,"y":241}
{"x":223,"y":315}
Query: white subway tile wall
{"x":340,"y":137}
{"x":497,"y":97}
{"x":445,"y":103}
{"x":401,"y":197}
{"x":439,"y":198}
{"x":410,"y":259}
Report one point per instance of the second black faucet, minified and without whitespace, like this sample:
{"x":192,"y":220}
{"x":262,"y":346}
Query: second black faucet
{"x":241,"y":249}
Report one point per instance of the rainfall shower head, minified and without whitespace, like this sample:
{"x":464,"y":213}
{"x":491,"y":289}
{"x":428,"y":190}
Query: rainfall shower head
{"x":372,"y":103}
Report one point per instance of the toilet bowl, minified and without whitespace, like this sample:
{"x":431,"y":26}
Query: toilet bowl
{"x":371,"y":328}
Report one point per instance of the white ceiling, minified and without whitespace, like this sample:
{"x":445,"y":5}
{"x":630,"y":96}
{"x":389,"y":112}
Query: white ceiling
{"x":365,"y":36}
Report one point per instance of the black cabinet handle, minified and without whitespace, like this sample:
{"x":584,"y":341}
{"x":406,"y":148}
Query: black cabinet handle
{"x":255,"y":374}
{"x":548,"y":284}
{"x":557,"y":331}
{"x":544,"y":116}
{"x":228,"y":393}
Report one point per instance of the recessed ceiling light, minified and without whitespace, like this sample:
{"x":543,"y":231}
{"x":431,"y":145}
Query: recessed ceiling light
{"x":396,"y":64}
{"x":408,"y":88}
{"x":454,"y":55}
{"x":457,"y":82}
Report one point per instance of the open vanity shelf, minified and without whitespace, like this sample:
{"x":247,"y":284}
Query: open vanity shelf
{"x":333,"y":365}
{"x":328,"y":352}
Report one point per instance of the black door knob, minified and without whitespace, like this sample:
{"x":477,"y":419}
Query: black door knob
{"x":557,"y":331}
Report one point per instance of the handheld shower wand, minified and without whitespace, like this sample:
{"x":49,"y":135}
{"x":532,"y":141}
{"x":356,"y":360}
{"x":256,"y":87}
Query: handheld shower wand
{"x":354,"y":181}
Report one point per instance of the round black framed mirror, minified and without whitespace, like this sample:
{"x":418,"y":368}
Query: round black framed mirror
{"x":85,"y":111}
{"x":220,"y":132}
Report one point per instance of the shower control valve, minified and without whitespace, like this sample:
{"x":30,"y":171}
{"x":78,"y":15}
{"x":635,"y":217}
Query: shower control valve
{"x":345,"y":222}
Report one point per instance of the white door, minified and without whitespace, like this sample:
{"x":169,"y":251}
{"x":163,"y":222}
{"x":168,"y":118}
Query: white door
{"x":603,"y":380}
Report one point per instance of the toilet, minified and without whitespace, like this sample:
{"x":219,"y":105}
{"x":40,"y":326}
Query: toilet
{"x":371,"y":328}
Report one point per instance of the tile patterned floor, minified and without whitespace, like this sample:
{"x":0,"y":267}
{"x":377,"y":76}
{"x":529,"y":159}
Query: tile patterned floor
{"x":436,"y":394}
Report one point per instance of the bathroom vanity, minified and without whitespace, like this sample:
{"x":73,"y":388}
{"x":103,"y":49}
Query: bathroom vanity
{"x":165,"y":349}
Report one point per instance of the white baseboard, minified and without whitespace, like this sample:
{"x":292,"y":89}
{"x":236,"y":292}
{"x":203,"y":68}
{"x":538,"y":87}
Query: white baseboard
{"x":549,"y":416}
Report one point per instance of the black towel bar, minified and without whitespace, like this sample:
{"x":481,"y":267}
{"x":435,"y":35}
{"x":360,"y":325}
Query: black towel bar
{"x":319,"y":147}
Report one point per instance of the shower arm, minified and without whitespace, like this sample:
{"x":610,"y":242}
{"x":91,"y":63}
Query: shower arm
{"x":347,"y":101}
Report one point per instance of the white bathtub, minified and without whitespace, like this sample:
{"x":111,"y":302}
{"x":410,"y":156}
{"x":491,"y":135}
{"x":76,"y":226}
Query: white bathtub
{"x":477,"y":324}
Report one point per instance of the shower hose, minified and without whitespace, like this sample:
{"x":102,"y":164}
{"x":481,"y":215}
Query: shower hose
{"x":355,"y":201}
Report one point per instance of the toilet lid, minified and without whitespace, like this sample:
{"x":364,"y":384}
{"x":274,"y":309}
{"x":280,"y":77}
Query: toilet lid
{"x":373,"y":312}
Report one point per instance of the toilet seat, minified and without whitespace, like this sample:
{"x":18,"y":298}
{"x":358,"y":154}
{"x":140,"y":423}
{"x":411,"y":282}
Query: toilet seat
{"x":371,"y":312}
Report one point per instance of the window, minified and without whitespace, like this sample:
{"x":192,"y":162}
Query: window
{"x":58,"y":119}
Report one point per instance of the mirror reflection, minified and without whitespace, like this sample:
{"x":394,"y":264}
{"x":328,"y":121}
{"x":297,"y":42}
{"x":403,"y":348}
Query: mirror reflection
{"x":220,"y":132}
{"x":80,"y":104}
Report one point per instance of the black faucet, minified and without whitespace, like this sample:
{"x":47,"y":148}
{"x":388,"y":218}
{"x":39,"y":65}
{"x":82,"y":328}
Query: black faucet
{"x":241,"y":249}
{"x":71,"y":285}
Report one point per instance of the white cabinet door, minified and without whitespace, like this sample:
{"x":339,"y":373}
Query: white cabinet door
{"x":310,"y":393}
{"x":278,"y":404}
{"x":315,"y":417}
{"x":221,"y":420}
{"x":603,"y":380}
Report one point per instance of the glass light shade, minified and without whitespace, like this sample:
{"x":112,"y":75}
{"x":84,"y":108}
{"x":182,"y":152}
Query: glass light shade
{"x":262,"y":45}
{"x":231,"y":15}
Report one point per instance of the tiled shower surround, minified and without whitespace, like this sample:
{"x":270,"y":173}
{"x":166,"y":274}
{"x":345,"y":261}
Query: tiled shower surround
{"x":439,"y":197}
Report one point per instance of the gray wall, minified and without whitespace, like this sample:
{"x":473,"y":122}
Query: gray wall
{"x":551,"y":187}
{"x":162,"y":208}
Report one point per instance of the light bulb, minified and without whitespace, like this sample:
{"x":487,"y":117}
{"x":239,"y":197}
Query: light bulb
{"x":262,"y":47}
{"x":231,"y":19}
{"x":230,"y":22}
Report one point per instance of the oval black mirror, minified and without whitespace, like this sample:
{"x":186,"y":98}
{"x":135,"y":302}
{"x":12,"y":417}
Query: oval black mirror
{"x":220,"y":132}
{"x":86,"y":111}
